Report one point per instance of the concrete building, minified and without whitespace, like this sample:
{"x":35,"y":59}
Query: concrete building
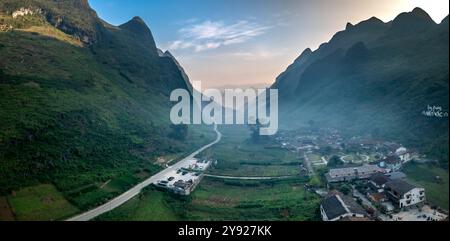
{"x":184,"y":180}
{"x":352,"y":173}
{"x":403,"y":154}
{"x":404,"y":194}
{"x":338,"y":207}
{"x":391,"y":163}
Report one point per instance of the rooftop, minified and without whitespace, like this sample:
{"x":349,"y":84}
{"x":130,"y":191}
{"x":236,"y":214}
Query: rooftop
{"x":401,"y":186}
{"x":391,"y":160}
{"x":337,"y":205}
{"x":353,"y":170}
{"x":396,"y":175}
{"x":380,"y":179}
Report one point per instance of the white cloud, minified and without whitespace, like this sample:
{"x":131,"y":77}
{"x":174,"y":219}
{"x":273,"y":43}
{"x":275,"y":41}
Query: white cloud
{"x":258,"y":54}
{"x":211,"y":35}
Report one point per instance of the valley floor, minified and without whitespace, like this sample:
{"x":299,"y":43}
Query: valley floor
{"x":284,"y":199}
{"x":233,"y":199}
{"x":265,"y":199}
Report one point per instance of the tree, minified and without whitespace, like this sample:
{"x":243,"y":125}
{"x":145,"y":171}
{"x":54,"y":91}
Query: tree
{"x":345,"y":189}
{"x":255,"y":129}
{"x":335,"y":161}
{"x":179,"y":132}
{"x":326,"y":150}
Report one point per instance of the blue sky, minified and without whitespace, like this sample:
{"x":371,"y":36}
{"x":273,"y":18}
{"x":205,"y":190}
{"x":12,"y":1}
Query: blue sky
{"x":248,"y":42}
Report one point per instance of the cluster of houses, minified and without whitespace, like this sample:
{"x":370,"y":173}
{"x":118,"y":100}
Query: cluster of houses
{"x":390,"y":193}
{"x":379,"y":190}
{"x":385,"y":187}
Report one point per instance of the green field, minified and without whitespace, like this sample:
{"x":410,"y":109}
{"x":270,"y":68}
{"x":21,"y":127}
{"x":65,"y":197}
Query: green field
{"x":258,"y":171}
{"x":151,"y":205}
{"x":216,"y":200}
{"x":437,"y":191}
{"x":42,"y":202}
{"x":249,"y":200}
{"x":238,"y":156}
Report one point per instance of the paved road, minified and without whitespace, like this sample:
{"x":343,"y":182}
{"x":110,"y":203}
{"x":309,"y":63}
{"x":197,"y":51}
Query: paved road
{"x":247,"y":178}
{"x":363,"y":198}
{"x":366,"y":158}
{"x":118,"y":201}
{"x":309,"y":165}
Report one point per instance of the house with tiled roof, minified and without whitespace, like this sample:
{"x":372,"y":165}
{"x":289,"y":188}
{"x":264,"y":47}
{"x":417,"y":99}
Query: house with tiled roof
{"x":352,"y":173}
{"x":404,"y":194}
{"x":339,"y":207}
{"x":378,"y":181}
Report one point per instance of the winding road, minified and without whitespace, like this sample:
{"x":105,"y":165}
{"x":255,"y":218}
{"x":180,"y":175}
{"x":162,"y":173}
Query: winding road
{"x":123,"y":198}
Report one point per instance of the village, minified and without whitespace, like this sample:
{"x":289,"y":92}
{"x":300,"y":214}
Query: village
{"x":362,"y":177}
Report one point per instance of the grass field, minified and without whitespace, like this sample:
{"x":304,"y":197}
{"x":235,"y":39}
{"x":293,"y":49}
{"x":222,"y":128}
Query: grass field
{"x":148,"y":206}
{"x":237,"y":156}
{"x":258,"y":171}
{"x":216,"y":200}
{"x":247,"y":200}
{"x":42,"y":202}
{"x":437,"y":191}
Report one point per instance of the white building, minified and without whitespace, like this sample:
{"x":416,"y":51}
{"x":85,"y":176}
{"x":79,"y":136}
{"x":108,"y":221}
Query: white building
{"x":403,"y":154}
{"x":404,"y":194}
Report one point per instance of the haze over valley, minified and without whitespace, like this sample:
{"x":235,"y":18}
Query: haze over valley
{"x":85,"y":104}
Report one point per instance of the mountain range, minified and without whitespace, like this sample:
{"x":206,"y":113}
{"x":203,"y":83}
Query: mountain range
{"x":375,"y":78}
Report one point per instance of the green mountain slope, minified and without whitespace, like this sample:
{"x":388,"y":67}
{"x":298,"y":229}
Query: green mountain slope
{"x":375,"y":78}
{"x":81,"y":101}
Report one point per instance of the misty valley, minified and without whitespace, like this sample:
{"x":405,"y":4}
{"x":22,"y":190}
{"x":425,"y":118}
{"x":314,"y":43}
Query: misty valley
{"x":98,"y":123}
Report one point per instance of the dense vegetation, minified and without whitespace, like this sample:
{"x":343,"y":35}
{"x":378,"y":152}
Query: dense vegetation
{"x":83,"y":102}
{"x":376,"y":79}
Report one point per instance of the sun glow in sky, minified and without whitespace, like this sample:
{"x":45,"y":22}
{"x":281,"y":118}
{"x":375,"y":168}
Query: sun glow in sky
{"x":250,"y":42}
{"x":438,"y":9}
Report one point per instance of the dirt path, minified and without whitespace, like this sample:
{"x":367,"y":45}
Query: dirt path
{"x":6,"y":213}
{"x":104,"y":184}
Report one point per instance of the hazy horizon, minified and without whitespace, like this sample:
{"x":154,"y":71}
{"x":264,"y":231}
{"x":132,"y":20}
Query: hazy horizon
{"x":246,"y":42}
